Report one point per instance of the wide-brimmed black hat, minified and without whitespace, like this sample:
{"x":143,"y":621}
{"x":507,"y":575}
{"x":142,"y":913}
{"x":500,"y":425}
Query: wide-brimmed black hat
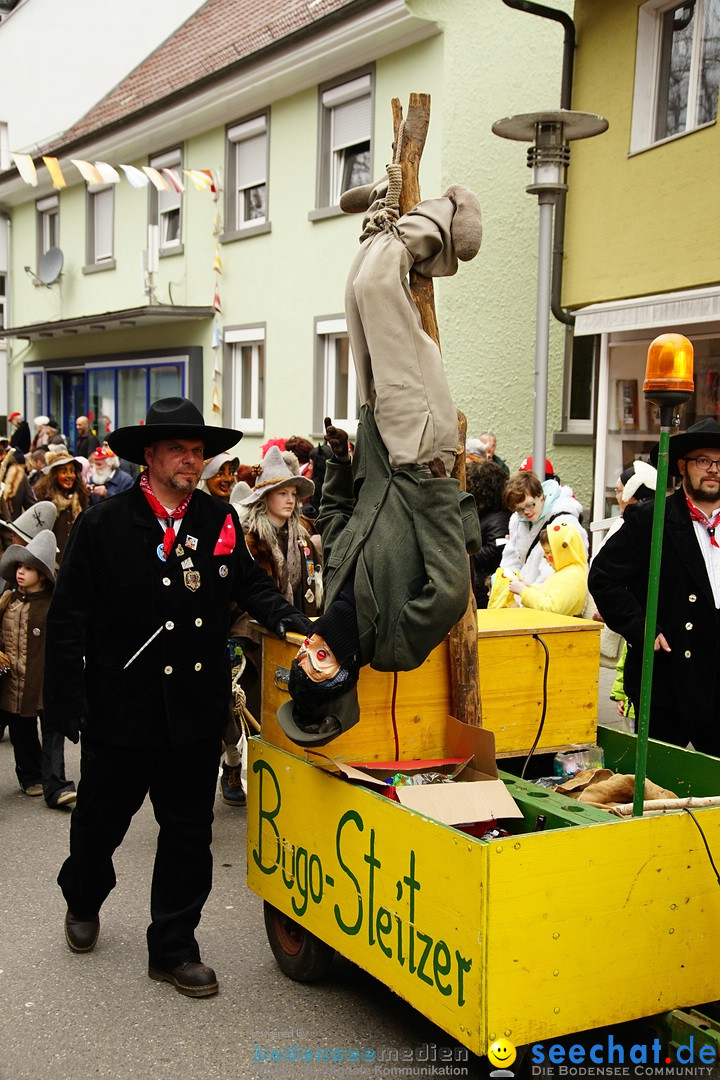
{"x":706,"y":433}
{"x":171,"y":418}
{"x":323,"y":724}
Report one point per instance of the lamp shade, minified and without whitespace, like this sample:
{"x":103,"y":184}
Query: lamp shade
{"x":669,"y":365}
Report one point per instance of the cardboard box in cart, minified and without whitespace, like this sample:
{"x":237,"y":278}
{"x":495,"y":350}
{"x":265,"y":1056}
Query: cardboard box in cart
{"x":474,"y":795}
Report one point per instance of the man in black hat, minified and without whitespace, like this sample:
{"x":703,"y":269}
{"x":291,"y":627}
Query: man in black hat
{"x":157,"y":567}
{"x":685,"y":703}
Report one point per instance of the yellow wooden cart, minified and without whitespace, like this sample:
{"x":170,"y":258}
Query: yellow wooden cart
{"x":516,"y":937}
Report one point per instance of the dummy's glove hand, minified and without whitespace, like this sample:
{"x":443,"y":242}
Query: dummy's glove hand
{"x":69,"y":727}
{"x":297,"y":622}
{"x":437,"y":468}
{"x":338,"y":440}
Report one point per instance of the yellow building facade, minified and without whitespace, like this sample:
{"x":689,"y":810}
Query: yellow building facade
{"x":642,"y":255}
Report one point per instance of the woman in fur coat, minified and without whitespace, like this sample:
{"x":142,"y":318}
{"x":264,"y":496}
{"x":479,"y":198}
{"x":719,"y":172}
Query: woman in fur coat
{"x":62,"y":484}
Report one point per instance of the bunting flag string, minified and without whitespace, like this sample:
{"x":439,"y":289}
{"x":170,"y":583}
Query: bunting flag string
{"x":102,"y":172}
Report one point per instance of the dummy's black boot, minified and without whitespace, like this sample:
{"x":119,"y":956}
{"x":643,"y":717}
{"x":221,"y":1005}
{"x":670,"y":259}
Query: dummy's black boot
{"x":231,"y":785}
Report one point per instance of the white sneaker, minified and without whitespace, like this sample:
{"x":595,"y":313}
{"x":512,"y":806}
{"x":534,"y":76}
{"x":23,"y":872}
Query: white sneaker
{"x":34,"y":790}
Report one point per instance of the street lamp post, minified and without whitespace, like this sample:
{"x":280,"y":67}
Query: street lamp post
{"x":550,"y":132}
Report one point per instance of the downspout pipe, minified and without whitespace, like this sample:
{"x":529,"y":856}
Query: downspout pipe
{"x":530,"y":8}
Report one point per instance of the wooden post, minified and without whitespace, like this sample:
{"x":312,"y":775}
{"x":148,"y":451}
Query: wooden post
{"x":464,"y":675}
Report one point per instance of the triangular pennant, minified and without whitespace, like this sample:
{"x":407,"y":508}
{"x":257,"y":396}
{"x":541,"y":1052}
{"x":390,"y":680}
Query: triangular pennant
{"x":175,"y":180}
{"x":109,"y":174}
{"x":217,"y":223}
{"x":217,"y":261}
{"x":217,"y":335}
{"x":56,"y":175}
{"x":200,"y":181}
{"x":215,"y":400}
{"x":211,"y":178}
{"x":88,"y":172}
{"x":156,"y":178}
{"x":216,"y":300}
{"x":134,"y":177}
{"x":26,"y":167}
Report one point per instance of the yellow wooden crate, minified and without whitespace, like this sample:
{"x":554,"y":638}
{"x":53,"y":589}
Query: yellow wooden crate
{"x":528,"y":938}
{"x":511,"y":667}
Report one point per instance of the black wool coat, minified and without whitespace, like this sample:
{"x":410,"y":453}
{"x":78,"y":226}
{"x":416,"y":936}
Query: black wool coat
{"x":618,"y":581}
{"x":137,"y":647}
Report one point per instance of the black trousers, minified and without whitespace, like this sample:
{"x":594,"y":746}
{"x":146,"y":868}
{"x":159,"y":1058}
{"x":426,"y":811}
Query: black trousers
{"x":181,"y":782}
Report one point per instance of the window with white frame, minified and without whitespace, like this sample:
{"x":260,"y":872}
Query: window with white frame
{"x":100,"y":221}
{"x":245,"y":377}
{"x":677,"y":69}
{"x":247,"y":174}
{"x":166,"y":206}
{"x":345,"y":138}
{"x":580,"y":384}
{"x":336,"y":383}
{"x":48,"y":223}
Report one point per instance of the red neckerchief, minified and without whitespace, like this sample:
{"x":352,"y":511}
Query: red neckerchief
{"x":697,"y":515}
{"x":167,"y":516}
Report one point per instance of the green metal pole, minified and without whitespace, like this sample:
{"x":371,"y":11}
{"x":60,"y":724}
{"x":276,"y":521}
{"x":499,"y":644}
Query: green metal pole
{"x":651,"y":610}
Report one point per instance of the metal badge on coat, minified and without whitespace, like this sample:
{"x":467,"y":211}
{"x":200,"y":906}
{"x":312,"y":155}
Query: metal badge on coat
{"x":191,"y":542}
{"x":223,"y":571}
{"x":192,"y":580}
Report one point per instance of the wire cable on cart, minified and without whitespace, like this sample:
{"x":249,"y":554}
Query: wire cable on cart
{"x":699,"y":827}
{"x":544,"y":707}
{"x":394,"y":719}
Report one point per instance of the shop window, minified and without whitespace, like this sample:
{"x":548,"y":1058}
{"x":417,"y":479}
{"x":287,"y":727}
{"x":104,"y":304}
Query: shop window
{"x":677,"y":69}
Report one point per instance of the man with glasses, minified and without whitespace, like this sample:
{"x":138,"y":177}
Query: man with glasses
{"x":685,"y":704}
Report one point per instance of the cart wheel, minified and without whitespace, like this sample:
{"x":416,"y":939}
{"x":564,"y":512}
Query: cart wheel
{"x":299,"y":954}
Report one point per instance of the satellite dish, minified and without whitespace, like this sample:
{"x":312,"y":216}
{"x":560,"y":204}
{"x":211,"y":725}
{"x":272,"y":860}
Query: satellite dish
{"x":50,"y":265}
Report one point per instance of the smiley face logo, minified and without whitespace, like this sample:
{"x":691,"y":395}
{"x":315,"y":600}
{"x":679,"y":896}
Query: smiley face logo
{"x":502,"y":1053}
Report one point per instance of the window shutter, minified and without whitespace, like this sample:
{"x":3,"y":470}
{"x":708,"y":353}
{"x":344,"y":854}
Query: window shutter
{"x":251,"y":162}
{"x":351,"y":123}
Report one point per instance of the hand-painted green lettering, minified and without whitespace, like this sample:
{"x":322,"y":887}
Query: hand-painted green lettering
{"x":269,"y":806}
{"x":350,"y":816}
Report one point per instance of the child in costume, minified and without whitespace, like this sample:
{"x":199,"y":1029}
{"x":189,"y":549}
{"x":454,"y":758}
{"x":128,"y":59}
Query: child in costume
{"x":565,"y":591}
{"x":23,"y":614}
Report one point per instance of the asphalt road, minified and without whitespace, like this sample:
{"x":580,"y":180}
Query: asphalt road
{"x":70,"y":1017}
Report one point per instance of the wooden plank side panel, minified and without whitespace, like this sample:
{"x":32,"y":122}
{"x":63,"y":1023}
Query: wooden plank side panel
{"x":594,"y":926}
{"x":422,"y":701}
{"x":400,"y":895}
{"x":511,"y":678}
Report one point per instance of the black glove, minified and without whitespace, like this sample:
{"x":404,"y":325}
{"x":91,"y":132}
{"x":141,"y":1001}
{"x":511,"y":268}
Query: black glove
{"x":70,"y":727}
{"x":297,"y":621}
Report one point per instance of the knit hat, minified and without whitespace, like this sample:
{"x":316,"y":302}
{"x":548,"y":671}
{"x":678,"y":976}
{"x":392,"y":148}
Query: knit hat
{"x":214,"y":465}
{"x":339,"y":629}
{"x":526,"y":465}
{"x":40,"y":553}
{"x":41,"y":515}
{"x":276,"y":473}
{"x":706,"y":433}
{"x":60,"y":457}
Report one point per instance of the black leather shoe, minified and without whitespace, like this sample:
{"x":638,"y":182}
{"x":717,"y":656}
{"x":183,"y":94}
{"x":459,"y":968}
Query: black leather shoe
{"x":81,"y":934}
{"x":193,"y":978}
{"x":231,"y":785}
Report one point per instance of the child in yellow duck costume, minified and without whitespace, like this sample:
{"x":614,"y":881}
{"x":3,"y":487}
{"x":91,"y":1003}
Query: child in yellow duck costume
{"x":565,"y":591}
